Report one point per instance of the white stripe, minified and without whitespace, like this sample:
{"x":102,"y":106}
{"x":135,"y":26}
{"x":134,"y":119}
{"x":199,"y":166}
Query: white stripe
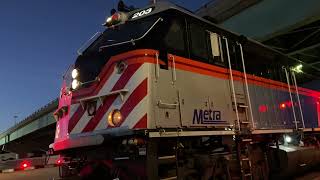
{"x":132,"y":84}
{"x":137,"y":113}
{"x":73,"y":109}
{"x":105,"y":89}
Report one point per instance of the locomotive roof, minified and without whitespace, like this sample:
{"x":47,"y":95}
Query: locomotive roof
{"x":164,"y":6}
{"x":250,"y":44}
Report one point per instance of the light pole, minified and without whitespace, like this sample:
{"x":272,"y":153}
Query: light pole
{"x":15,"y":119}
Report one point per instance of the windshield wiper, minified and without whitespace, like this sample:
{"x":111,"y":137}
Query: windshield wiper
{"x":132,"y":40}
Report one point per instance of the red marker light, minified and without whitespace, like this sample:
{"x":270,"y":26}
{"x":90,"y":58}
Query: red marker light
{"x":59,"y":161}
{"x":283,"y":106}
{"x":24,"y":165}
{"x":263,"y":108}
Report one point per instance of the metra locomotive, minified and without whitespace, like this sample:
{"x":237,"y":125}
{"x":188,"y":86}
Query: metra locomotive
{"x":164,"y":94}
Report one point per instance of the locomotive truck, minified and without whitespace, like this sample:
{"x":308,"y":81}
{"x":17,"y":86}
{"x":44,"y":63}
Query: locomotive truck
{"x":165,"y":94}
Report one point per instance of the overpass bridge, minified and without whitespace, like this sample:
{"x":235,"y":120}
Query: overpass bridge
{"x":292,"y":27}
{"x":33,"y":134}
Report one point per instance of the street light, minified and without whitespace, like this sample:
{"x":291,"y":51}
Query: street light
{"x":15,"y":119}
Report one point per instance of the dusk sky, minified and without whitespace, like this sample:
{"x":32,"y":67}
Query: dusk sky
{"x":39,"y":40}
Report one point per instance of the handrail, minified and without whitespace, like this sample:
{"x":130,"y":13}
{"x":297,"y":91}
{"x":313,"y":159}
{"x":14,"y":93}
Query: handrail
{"x":133,"y":40}
{"x":157,"y":67}
{"x":246,"y":84}
{"x":289,"y":87}
{"x":232,"y":84}
{"x":174,"y":74}
{"x":78,"y":51}
{"x":298,"y":97}
{"x":120,"y":92}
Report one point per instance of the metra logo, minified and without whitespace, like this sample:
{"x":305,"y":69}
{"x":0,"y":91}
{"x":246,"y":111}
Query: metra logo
{"x":207,"y":117}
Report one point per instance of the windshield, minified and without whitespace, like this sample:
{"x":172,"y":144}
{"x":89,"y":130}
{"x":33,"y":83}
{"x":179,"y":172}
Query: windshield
{"x":125,"y":32}
{"x":92,"y":60}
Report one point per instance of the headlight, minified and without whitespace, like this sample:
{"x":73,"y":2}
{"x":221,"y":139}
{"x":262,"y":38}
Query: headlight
{"x":114,"y":118}
{"x":75,"y":84}
{"x":74,"y":73}
{"x":288,"y":139}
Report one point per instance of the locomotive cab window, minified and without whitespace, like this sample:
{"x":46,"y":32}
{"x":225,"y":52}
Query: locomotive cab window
{"x":215,"y":48}
{"x":198,"y":42}
{"x":174,"y":39}
{"x":205,"y":45}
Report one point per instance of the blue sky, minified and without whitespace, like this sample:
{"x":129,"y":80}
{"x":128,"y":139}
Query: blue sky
{"x":39,"y":40}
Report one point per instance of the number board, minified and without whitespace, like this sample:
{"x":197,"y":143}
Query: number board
{"x":142,"y":13}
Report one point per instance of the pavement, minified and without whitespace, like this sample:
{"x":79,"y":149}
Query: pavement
{"x":35,"y":174}
{"x":53,"y":174}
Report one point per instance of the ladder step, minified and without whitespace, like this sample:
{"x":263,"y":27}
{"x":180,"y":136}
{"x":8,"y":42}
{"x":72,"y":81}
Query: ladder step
{"x":243,"y":106}
{"x":169,"y":178}
{"x":246,"y":140}
{"x":244,"y":122}
{"x":245,"y":159}
{"x":167,"y":157}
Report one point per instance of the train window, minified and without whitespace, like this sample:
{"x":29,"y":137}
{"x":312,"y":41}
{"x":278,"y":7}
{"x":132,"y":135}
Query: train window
{"x":214,"y":42}
{"x":198,"y":41}
{"x":205,"y":45}
{"x":235,"y":55}
{"x":174,"y":39}
{"x":215,"y":48}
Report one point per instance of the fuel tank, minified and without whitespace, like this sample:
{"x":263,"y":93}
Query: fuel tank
{"x":288,"y":161}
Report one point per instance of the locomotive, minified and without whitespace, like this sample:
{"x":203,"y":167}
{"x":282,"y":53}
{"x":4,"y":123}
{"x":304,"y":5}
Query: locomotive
{"x":164,"y":94}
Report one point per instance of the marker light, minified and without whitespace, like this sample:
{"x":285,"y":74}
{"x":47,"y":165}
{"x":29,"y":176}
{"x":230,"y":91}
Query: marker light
{"x":24,"y":165}
{"x":115,"y":19}
{"x":74,"y":73}
{"x":288,"y":139}
{"x":114,"y":118}
{"x":109,"y":19}
{"x":283,"y":106}
{"x":59,"y":162}
{"x":298,"y":68}
{"x":75,"y":84}
{"x":263,"y":108}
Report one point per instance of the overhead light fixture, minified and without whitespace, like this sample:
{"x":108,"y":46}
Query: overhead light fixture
{"x":298,"y":68}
